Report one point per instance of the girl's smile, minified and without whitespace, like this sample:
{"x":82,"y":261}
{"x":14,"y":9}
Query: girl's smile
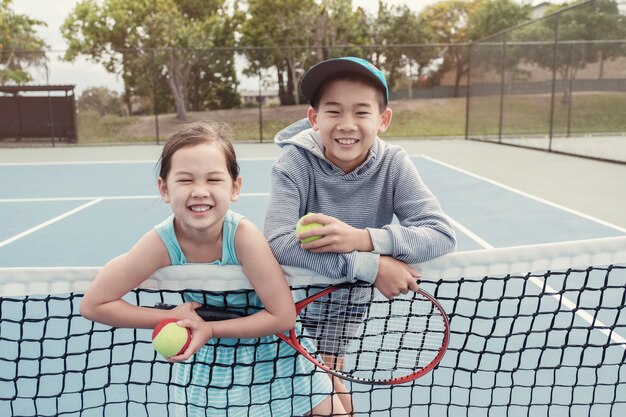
{"x":200,"y":208}
{"x":199,"y":187}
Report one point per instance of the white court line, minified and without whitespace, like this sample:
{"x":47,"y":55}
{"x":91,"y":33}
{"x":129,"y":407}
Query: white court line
{"x":135,"y":161}
{"x":46,"y":163}
{"x":470,"y":234}
{"x":54,"y":199}
{"x":113,"y":197}
{"x":49,"y":222}
{"x":524,"y":194}
{"x":564,"y":301}
{"x":541,"y":284}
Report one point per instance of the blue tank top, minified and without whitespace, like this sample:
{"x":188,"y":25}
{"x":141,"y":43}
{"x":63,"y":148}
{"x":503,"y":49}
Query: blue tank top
{"x":229,"y":256}
{"x":246,"y":302}
{"x":284,"y":382}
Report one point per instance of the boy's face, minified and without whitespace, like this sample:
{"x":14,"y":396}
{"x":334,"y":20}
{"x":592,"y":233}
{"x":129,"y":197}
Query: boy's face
{"x":348,"y":119}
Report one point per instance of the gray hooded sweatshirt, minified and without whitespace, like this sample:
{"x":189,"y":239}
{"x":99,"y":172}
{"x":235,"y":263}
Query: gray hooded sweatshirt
{"x":385,"y":184}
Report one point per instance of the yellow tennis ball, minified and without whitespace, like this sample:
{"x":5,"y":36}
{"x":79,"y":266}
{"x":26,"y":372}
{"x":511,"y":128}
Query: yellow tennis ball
{"x":304,"y":227}
{"x":170,"y":339}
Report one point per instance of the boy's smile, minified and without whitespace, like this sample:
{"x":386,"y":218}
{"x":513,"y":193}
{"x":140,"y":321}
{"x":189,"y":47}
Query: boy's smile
{"x":348,"y":119}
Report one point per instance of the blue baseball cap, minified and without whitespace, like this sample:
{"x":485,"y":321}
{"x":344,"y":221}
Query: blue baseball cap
{"x":318,"y":73}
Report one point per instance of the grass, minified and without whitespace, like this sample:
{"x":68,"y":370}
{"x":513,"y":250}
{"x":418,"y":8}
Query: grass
{"x":436,"y":118}
{"x":93,"y":128}
{"x":530,"y":114}
{"x":524,"y":114}
{"x":249,"y":131}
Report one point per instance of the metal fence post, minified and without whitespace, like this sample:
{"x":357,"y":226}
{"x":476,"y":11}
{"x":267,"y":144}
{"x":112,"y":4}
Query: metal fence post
{"x":554,"y":64}
{"x":260,"y":108}
{"x":154,"y":95}
{"x":570,"y":96}
{"x":502,"y":83}
{"x":50,"y":110}
{"x":467,"y":92}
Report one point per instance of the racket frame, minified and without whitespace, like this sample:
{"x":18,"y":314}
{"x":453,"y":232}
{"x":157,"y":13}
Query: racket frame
{"x":292,"y":340}
{"x":209,"y":313}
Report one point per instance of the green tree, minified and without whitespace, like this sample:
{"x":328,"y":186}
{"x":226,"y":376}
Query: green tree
{"x":399,"y":25}
{"x":340,"y":30}
{"x":20,"y":47}
{"x":455,"y":22}
{"x":490,"y":24}
{"x":493,"y":16}
{"x":448,"y":21}
{"x":151,"y":42}
{"x":289,"y":36}
{"x":599,"y":20}
{"x":101,"y":100}
{"x":273,"y":31}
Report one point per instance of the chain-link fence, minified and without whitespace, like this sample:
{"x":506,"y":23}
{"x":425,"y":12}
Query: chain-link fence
{"x":560,"y":76}
{"x":143,"y":95}
{"x":557,"y":83}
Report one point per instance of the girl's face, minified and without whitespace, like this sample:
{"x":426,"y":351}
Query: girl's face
{"x":199,"y":187}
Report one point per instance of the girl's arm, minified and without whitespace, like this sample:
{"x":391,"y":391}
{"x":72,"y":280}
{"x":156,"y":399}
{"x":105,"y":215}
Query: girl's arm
{"x":103,"y":299}
{"x":267,"y":279}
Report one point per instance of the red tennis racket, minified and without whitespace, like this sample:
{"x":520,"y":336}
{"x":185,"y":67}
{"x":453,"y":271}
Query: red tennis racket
{"x":364,"y":336}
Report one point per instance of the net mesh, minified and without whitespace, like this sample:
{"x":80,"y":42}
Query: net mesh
{"x":534,"y":331}
{"x":379,"y":340}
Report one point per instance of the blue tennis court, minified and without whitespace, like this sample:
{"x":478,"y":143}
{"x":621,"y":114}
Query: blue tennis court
{"x":81,"y":214}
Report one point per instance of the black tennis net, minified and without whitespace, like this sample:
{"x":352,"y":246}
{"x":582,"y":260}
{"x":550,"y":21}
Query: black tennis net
{"x":534,"y":331}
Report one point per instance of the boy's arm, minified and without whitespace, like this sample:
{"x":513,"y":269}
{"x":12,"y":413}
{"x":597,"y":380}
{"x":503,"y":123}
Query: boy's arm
{"x":287,"y":196}
{"x":424,"y":232}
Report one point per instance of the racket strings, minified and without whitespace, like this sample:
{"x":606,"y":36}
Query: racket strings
{"x":377,"y":338}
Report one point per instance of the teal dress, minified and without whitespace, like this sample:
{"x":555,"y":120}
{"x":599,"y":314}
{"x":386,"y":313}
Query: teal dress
{"x":241,"y":377}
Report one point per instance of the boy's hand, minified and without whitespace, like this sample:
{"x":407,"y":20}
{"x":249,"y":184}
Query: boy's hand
{"x":337,"y":236}
{"x":201,"y":332}
{"x":395,"y":277}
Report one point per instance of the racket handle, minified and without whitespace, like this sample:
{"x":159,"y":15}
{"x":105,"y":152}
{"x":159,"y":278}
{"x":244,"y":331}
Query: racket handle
{"x":207,"y":313}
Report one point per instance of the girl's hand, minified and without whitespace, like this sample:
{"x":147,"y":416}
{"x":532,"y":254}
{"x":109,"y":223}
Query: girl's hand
{"x":337,"y":236}
{"x":201,"y":332}
{"x":186,"y":311}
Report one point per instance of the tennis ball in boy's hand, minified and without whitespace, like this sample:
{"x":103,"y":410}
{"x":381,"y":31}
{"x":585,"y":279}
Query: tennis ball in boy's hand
{"x":304,"y":227}
{"x":170,"y":339}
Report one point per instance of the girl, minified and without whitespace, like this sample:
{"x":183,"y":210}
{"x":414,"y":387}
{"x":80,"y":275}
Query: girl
{"x":199,"y":178}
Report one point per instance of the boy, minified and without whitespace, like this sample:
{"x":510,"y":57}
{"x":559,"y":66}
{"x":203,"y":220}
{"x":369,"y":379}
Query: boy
{"x":334,"y":165}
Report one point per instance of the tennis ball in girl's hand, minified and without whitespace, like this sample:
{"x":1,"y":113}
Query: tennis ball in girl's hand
{"x":170,"y":339}
{"x":304,"y":227}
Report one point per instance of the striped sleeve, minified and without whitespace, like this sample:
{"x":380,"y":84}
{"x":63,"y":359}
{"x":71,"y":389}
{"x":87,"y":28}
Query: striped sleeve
{"x":424,"y":231}
{"x":369,"y":197}
{"x":288,"y":202}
